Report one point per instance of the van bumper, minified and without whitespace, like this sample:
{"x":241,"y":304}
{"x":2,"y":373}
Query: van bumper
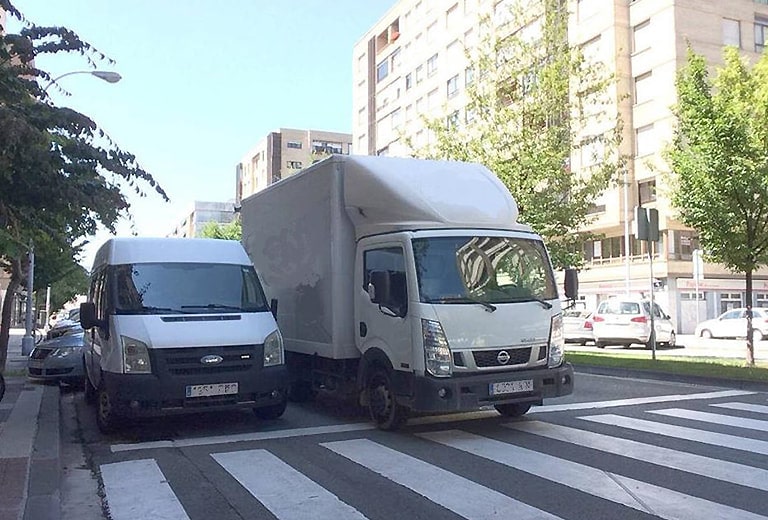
{"x":146,"y":395}
{"x":466,"y":393}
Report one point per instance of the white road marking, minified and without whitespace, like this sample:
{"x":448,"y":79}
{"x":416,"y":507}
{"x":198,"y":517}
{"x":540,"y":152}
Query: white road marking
{"x":740,"y":474}
{"x":286,"y":492}
{"x":456,"y":493}
{"x":745,"y":407}
{"x":244,"y":437}
{"x":651,"y":499}
{"x":714,"y":418}
{"x":138,"y":489}
{"x":17,"y":432}
{"x":681,"y":432}
{"x":638,"y":400}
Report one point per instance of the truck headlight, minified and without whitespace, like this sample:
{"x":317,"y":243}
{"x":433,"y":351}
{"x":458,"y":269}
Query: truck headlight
{"x":135,"y":356}
{"x":556,"y":342}
{"x":437,"y":353}
{"x":273,"y":349}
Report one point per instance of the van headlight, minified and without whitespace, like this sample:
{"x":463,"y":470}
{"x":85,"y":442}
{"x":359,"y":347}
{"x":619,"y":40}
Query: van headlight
{"x":556,"y":342}
{"x":273,"y":349}
{"x":135,"y":356}
{"x":437,"y":353}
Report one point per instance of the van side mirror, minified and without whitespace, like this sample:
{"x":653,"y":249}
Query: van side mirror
{"x":382,"y":290}
{"x":88,"y":315}
{"x":273,"y":307}
{"x":571,"y":283}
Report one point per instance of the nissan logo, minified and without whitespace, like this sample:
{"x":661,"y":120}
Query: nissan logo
{"x":213,"y":359}
{"x":502,"y":357}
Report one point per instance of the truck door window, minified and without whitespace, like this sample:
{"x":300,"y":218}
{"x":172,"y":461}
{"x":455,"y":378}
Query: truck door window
{"x":391,"y":260}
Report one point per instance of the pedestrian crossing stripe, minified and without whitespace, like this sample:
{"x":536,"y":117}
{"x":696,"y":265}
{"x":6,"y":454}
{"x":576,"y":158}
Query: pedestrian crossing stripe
{"x":648,"y":498}
{"x":138,"y":489}
{"x":726,"y":471}
{"x":681,"y":432}
{"x":714,"y":418}
{"x":744,"y":407}
{"x":455,"y":493}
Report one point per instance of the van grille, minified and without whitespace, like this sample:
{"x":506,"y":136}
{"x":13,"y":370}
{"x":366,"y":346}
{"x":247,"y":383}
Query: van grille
{"x":489,"y":358}
{"x":187,"y":361}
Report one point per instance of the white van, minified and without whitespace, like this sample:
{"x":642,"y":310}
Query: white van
{"x":179,"y":325}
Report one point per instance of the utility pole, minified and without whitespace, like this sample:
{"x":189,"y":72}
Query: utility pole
{"x":28,"y":341}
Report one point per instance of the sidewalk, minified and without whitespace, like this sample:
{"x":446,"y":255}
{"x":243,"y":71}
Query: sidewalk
{"x":30,"y":465}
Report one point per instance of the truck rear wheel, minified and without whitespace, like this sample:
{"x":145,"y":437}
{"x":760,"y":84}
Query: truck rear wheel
{"x":382,"y":405}
{"x":512,"y":409}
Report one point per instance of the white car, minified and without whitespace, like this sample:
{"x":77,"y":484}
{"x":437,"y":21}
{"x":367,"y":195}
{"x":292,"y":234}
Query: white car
{"x":733,"y":324}
{"x":577,"y":326}
{"x":628,"y":321}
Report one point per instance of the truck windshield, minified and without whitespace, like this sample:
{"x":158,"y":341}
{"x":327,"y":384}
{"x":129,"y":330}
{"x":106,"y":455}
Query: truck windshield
{"x":194,"y":288}
{"x":482,"y":269}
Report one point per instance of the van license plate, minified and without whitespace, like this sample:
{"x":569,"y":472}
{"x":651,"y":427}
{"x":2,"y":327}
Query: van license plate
{"x":511,"y":387}
{"x":214,"y":389}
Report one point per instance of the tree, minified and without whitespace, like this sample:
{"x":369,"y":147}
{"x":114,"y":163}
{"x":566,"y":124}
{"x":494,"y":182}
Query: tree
{"x":719,"y":163}
{"x":231,"y":231}
{"x":61,"y":174}
{"x":532,"y":104}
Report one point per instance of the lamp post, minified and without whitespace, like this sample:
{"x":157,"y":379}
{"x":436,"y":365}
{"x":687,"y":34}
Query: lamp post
{"x":28,"y":341}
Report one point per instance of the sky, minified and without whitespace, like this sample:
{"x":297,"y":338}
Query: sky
{"x":202,"y":83}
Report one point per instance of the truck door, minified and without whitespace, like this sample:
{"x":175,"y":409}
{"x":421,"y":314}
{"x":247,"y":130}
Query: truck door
{"x":387,"y":329}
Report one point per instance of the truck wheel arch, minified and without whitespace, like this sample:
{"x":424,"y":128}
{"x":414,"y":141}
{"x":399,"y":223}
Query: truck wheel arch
{"x":373,"y":357}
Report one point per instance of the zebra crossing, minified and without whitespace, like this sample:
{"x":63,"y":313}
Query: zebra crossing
{"x":346,"y":468}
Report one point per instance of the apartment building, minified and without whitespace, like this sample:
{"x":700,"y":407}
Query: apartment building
{"x":412,"y":63}
{"x":284,"y":152}
{"x":201,"y":213}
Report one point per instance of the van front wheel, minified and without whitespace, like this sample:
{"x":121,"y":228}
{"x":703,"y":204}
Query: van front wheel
{"x":107,"y":418}
{"x":382,"y":405}
{"x":272,"y":411}
{"x":512,"y":409}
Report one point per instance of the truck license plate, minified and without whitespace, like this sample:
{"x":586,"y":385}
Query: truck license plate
{"x":209,"y":390}
{"x":511,"y":387}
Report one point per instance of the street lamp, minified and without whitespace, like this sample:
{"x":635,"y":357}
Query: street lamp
{"x":28,"y":341}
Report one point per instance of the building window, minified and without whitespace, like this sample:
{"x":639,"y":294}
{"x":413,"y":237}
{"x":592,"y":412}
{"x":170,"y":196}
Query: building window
{"x":643,"y":88}
{"x":761,"y":33}
{"x":451,"y":16}
{"x":408,"y":81}
{"x":469,"y":75}
{"x":646,"y":191}
{"x":452,"y":120}
{"x":382,"y":70}
{"x":641,"y":36}
{"x":761,"y":299}
{"x":731,"y":32}
{"x":587,"y":8}
{"x":394,"y":61}
{"x":294,"y":165}
{"x":294,"y":144}
{"x":685,"y":242}
{"x":327,"y":147}
{"x":419,"y":74}
{"x":432,"y":65}
{"x":396,"y":119}
{"x":432,"y":100}
{"x":453,"y":86}
{"x":644,"y":141}
{"x":431,"y":30}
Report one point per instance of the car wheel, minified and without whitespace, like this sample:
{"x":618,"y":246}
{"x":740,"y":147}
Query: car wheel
{"x":272,"y":411}
{"x":599,"y":344}
{"x":382,"y":405}
{"x":512,"y":409}
{"x":2,"y":387}
{"x":672,"y":339}
{"x":706,"y":333}
{"x":108,"y":418}
{"x":582,"y":343}
{"x":88,"y":390}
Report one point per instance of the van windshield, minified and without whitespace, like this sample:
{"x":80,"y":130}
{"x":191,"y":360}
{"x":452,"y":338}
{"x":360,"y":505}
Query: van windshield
{"x":482,"y":269}
{"x":194,"y":288}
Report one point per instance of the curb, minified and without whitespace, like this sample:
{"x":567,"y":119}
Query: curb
{"x":43,"y":490}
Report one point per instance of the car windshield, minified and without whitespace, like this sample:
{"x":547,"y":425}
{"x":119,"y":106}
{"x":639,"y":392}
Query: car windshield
{"x":619,"y":307}
{"x":482,"y":269}
{"x":162,"y":288}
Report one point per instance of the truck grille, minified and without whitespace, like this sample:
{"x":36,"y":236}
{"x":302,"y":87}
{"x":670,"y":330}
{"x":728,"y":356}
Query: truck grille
{"x":186,"y":361}
{"x":490,"y":358}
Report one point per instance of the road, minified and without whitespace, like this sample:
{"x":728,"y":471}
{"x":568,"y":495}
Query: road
{"x":616,"y":448}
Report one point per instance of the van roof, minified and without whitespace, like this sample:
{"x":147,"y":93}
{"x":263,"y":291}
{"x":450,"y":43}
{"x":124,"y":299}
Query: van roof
{"x":138,"y":250}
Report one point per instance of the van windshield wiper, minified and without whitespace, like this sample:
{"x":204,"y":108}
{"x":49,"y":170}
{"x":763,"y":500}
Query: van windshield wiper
{"x":543,"y":303}
{"x":150,"y":308}
{"x":213,"y":306}
{"x":464,"y":299}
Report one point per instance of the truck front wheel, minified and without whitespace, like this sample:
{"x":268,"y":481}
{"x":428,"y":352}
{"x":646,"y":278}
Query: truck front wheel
{"x":382,"y":405}
{"x":512,"y":409}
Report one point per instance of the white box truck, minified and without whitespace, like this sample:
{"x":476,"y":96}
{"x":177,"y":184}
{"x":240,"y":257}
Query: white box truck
{"x":411,"y":283}
{"x":178,"y":325}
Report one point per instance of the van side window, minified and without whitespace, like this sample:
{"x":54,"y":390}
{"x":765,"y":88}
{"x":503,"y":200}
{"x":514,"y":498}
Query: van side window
{"x":392,"y":260}
{"x":99,"y":294}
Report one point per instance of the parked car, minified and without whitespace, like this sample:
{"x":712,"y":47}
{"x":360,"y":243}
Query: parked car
{"x":58,"y":359}
{"x":66,"y":325}
{"x":628,"y":321}
{"x":733,"y":324}
{"x":577,"y":325}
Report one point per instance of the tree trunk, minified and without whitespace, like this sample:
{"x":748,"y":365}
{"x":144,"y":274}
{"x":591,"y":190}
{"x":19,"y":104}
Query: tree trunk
{"x":750,"y":329}
{"x":5,"y":316}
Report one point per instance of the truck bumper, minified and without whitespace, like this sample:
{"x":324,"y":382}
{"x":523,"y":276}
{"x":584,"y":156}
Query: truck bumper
{"x":140,"y":395}
{"x":458,"y":394}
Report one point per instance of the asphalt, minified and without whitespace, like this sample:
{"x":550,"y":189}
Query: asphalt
{"x":30,"y":444}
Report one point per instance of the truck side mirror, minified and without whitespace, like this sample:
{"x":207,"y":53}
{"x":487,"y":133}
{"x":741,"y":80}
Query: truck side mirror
{"x":273,"y":307}
{"x":382,"y":289}
{"x":571,"y":283}
{"x":88,"y":315}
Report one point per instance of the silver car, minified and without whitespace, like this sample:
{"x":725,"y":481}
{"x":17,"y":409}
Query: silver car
{"x":733,"y":324}
{"x":58,"y":359}
{"x":627,"y":321}
{"x":577,"y":326}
